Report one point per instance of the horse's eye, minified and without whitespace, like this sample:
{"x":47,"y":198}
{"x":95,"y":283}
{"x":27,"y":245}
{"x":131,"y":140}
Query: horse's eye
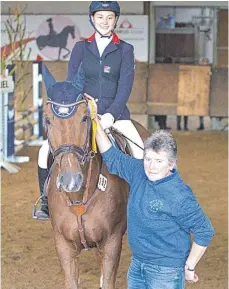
{"x":84,"y":119}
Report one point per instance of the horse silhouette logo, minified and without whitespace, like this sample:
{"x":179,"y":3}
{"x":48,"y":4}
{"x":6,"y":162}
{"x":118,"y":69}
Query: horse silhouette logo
{"x":56,"y":40}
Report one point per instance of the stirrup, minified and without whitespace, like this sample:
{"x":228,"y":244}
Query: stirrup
{"x":34,"y":211}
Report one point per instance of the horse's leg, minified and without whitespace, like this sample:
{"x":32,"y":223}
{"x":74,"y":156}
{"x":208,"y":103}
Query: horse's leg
{"x":59,"y":53}
{"x":99,"y":256}
{"x":66,"y":55}
{"x":111,"y":258}
{"x":68,"y":254}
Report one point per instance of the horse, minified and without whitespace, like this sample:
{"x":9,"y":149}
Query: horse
{"x":58,"y":40}
{"x":87,"y":205}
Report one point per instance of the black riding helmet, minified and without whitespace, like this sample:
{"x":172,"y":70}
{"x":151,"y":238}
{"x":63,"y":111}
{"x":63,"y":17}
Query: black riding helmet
{"x":103,"y":6}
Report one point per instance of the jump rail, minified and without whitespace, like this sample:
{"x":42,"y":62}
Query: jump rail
{"x":13,"y":127}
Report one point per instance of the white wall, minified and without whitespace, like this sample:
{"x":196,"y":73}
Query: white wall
{"x":67,"y":7}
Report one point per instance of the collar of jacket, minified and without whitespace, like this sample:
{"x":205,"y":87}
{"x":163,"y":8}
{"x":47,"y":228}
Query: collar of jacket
{"x":115,"y":39}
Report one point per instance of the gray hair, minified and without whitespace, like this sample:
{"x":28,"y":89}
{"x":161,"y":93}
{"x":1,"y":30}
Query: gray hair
{"x":162,"y":140}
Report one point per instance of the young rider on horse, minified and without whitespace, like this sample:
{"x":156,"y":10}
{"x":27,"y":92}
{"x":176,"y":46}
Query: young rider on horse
{"x":108,"y":66}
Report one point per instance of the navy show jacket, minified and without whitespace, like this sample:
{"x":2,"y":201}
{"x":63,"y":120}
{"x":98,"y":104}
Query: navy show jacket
{"x":108,"y":78}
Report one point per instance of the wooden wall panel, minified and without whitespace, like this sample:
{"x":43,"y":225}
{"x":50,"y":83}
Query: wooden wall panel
{"x":223,"y":28}
{"x":189,"y":96}
{"x":137,"y":100}
{"x":193,"y":90}
{"x":163,"y":89}
{"x":175,"y":45}
{"x":222,"y":57}
{"x":219,"y":92}
{"x":222,"y":49}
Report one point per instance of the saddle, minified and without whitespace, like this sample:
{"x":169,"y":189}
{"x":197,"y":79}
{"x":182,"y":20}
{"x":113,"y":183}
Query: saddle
{"x":120,"y":140}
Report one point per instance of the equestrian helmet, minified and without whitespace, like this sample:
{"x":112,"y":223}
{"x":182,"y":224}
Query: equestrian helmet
{"x":104,"y":6}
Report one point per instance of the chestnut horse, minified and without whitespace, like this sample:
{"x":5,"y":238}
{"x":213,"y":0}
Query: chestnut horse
{"x":87,"y":205}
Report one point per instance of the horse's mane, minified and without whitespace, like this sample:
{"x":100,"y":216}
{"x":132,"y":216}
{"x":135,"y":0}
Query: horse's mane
{"x":69,"y":27}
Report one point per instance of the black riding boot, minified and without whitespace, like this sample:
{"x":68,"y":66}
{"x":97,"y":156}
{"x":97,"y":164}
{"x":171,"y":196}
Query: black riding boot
{"x":165,"y":123}
{"x":178,"y":122}
{"x":201,"y":123}
{"x":43,"y":212}
{"x":161,"y":121}
{"x":185,"y":122}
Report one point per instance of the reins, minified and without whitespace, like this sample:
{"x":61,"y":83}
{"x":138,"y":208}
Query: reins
{"x":121,"y":134}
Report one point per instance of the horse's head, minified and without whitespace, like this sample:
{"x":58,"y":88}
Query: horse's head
{"x":72,"y":31}
{"x":68,"y":125}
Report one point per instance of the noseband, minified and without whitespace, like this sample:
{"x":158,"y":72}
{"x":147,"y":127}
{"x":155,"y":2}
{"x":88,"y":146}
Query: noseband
{"x":82,"y":153}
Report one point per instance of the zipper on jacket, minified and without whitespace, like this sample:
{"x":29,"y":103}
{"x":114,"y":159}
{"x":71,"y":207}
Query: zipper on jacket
{"x":100,"y":78}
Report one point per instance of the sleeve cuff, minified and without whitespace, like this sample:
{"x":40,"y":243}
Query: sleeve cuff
{"x":203,"y":242}
{"x":108,"y":153}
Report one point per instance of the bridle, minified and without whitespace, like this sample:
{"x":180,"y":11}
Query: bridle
{"x":83,"y":154}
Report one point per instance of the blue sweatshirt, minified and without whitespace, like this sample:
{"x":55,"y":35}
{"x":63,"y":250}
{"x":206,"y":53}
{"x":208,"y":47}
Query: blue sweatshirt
{"x":160,"y":215}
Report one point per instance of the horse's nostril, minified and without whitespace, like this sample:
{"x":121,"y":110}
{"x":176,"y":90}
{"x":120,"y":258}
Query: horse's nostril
{"x":61,"y":179}
{"x":80,"y":178}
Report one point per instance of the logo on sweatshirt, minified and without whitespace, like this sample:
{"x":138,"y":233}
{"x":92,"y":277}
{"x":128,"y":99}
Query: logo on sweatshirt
{"x":155,"y":205}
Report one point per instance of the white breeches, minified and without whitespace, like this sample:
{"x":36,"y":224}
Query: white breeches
{"x":43,"y":155}
{"x":127,"y":128}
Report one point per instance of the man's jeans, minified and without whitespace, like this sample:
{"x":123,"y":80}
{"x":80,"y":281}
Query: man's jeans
{"x":148,"y":276}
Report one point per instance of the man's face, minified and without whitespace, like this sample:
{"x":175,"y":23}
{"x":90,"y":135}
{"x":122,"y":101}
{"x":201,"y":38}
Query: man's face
{"x":156,"y":165}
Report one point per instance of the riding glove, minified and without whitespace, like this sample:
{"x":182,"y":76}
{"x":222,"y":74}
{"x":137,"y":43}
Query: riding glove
{"x":107,"y":120}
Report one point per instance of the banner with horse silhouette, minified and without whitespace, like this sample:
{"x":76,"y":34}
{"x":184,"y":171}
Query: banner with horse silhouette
{"x":52,"y":37}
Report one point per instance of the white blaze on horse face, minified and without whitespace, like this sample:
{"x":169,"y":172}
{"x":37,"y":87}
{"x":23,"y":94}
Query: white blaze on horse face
{"x":157,"y":165}
{"x":104,"y":22}
{"x":70,"y":177}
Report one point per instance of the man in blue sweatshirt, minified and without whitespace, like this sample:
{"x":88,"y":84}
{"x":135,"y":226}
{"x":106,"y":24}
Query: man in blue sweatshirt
{"x":162,"y":214}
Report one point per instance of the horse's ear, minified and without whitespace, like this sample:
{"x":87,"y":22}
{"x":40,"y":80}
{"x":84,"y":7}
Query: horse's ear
{"x":78,"y":80}
{"x":49,"y":80}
